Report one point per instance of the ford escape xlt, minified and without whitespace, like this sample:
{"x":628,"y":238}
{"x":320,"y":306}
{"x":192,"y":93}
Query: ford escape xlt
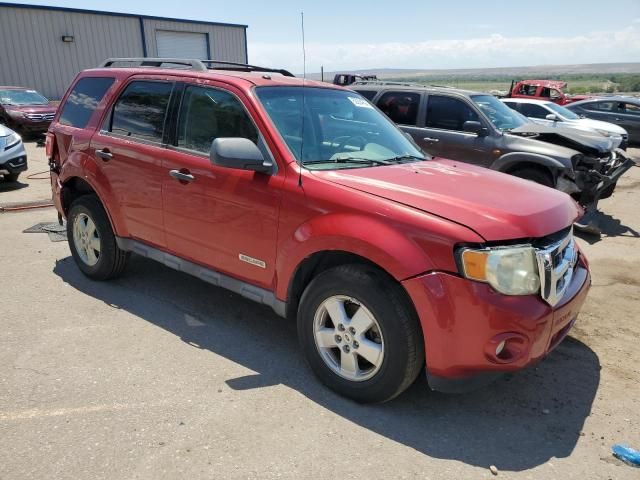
{"x":309,"y":200}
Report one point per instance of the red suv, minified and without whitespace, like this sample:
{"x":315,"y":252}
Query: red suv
{"x":304,"y":197}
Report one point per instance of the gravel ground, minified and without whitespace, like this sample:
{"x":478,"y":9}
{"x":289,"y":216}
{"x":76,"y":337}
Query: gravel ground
{"x":159,"y":375}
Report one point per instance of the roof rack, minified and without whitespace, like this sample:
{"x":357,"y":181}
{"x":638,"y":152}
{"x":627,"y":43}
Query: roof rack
{"x":398,"y":84}
{"x":245,"y":67}
{"x":383,"y":82}
{"x":197,"y":65}
{"x":156,"y":62}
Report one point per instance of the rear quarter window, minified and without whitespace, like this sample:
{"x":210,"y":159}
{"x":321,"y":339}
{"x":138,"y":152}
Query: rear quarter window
{"x":83,"y":100}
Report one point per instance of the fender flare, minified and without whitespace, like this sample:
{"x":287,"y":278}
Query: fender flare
{"x":84,"y":168}
{"x":388,"y":248}
{"x":508,"y":160}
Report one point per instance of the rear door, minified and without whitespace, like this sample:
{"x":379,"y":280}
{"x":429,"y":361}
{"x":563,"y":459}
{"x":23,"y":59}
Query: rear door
{"x":130,"y":147}
{"x":223,"y":218}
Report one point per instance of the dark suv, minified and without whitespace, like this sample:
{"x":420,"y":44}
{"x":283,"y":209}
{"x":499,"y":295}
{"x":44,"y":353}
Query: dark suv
{"x":477,"y":128}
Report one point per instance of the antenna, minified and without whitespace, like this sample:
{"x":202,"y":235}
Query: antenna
{"x":304,"y":78}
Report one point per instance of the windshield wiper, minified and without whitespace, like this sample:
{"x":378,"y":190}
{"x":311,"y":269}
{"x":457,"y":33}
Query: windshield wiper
{"x":365,"y":161}
{"x":402,"y":158}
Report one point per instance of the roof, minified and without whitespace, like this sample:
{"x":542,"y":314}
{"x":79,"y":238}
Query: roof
{"x":546,"y":83}
{"x":526,"y":100}
{"x":116,"y":14}
{"x":9,"y":87}
{"x":381,"y":85}
{"x":613,"y":98}
{"x":227,"y":76}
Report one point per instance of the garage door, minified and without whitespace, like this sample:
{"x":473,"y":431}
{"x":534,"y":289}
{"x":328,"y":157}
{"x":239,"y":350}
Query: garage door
{"x":181,"y":44}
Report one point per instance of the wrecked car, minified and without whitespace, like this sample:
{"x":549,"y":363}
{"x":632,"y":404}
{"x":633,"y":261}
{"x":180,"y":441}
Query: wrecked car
{"x":478,"y":128}
{"x":551,"y":90}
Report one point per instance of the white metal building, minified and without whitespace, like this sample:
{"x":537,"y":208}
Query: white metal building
{"x":45,"y":47}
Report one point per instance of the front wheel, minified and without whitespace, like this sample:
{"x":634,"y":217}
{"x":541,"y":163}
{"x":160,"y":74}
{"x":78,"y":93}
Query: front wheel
{"x":359,"y":333}
{"x":11,"y":177}
{"x":536,"y":175}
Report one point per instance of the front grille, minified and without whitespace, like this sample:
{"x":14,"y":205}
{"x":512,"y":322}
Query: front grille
{"x":556,"y":264}
{"x":40,"y":117}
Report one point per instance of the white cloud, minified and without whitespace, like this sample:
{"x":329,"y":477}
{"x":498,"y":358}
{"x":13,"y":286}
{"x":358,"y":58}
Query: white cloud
{"x":493,"y":50}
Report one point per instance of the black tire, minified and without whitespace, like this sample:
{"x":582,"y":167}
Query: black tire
{"x":111,"y":260}
{"x":388,"y":303}
{"x":607,"y":192}
{"x":11,"y":177}
{"x":536,"y":175}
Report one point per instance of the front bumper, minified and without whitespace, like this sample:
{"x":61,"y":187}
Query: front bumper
{"x":595,"y":183}
{"x":13,"y":160}
{"x":464,"y":322}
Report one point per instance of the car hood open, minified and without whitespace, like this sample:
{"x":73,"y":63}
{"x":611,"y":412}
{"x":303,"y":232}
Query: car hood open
{"x":583,"y":142}
{"x":495,"y":205}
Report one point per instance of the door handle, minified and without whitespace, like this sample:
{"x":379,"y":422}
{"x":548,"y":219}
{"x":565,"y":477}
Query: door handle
{"x":182,"y":176}
{"x":104,"y":154}
{"x":431,"y":140}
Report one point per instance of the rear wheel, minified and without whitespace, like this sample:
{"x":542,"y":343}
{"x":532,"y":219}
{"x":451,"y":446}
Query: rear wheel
{"x":91,"y":240}
{"x":359,"y":333}
{"x":535,"y":175}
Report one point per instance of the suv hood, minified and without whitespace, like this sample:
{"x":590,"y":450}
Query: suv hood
{"x":32,"y":108}
{"x":584,"y":142}
{"x":495,"y":205}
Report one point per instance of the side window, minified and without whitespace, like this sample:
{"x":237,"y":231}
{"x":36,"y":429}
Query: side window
{"x":401,"y":107}
{"x":368,"y":94}
{"x":83,"y":100}
{"x":600,"y":106}
{"x":527,"y":90}
{"x":206,"y":114}
{"x":534,"y":111}
{"x":545,"y":92}
{"x":513,"y":106}
{"x":448,"y":113}
{"x":631,"y":109}
{"x":141,"y":109}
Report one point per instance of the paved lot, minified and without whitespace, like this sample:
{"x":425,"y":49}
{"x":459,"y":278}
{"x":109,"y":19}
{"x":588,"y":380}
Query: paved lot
{"x":159,"y":375}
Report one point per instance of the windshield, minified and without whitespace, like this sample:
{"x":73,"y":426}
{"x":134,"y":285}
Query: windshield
{"x":563,"y":112}
{"x":341,"y":128}
{"x":22,"y":97}
{"x":503,"y":117}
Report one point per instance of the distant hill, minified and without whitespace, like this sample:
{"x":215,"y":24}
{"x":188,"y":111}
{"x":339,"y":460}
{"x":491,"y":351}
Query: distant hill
{"x":516,"y":72}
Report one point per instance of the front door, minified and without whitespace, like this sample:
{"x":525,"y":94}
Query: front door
{"x":443,"y":134}
{"x":130,"y":149}
{"x":223,"y":218}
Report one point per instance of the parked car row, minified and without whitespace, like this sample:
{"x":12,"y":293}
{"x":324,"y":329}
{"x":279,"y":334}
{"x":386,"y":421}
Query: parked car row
{"x":478,"y":128}
{"x":303,"y":196}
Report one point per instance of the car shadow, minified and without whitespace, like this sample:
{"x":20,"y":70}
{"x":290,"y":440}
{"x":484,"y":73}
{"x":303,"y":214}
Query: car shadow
{"x":6,"y":186}
{"x":517,"y":423}
{"x":609,"y":226}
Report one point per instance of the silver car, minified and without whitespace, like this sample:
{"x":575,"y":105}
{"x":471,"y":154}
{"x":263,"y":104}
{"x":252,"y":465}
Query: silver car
{"x":13,"y":156}
{"x":552,"y":114}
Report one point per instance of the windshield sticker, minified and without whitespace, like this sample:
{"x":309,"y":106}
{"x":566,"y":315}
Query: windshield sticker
{"x":360,"y":102}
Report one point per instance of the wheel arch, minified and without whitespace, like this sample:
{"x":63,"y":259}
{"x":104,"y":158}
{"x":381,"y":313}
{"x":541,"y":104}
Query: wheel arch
{"x":516,"y":160}
{"x":74,"y":187}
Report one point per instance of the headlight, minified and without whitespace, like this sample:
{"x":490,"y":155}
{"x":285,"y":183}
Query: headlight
{"x":12,"y":140}
{"x":509,"y":270}
{"x":604,"y":132}
{"x":16,"y":113}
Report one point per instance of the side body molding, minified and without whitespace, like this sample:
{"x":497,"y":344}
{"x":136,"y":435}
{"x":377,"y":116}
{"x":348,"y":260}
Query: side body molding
{"x":257,"y":294}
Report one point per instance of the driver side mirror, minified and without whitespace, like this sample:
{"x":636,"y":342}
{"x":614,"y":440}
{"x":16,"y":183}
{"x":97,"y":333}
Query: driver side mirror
{"x":472,"y":126}
{"x":553,"y":117}
{"x":240,"y":153}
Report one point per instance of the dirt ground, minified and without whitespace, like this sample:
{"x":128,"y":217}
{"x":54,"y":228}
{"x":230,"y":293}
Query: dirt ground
{"x":159,"y":375}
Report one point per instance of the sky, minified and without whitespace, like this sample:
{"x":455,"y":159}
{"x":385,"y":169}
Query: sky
{"x":426,"y":34}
